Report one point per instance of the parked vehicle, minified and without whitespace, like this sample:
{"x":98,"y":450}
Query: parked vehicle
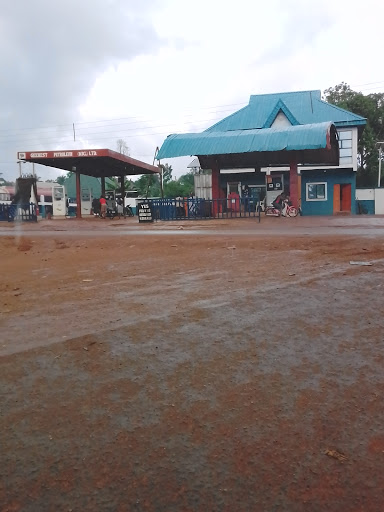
{"x":286,"y":211}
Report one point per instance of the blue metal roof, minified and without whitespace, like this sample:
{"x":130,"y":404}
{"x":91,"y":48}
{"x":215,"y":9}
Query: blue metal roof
{"x":303,"y":107}
{"x":293,"y":138}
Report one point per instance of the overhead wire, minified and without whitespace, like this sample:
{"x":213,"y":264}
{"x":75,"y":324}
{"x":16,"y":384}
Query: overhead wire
{"x":142,"y":131}
{"x":141,"y":119}
{"x":43,"y":135}
{"x":128,"y":120}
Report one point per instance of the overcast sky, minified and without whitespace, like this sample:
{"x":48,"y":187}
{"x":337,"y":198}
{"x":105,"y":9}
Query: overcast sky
{"x":140,"y":70}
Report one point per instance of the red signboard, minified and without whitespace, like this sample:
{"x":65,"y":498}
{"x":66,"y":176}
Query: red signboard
{"x":31,"y":155}
{"x":83,"y":160}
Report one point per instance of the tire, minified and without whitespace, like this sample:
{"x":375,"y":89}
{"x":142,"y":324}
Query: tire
{"x":292,"y":211}
{"x":272,"y":212}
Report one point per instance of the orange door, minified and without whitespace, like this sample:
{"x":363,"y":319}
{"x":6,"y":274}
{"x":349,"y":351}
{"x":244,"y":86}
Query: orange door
{"x":336,"y":198}
{"x":346,"y":193}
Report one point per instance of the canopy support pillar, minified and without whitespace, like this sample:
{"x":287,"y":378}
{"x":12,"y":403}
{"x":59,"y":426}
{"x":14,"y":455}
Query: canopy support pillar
{"x":294,"y":183}
{"x":215,"y":186}
{"x":102,"y":186}
{"x":78,"y":196}
{"x":122,"y":188}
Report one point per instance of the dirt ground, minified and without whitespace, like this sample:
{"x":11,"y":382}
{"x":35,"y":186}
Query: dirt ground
{"x":220,"y":366}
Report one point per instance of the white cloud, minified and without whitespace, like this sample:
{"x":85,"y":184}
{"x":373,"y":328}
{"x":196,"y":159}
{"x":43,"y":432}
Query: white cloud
{"x":186,"y":65}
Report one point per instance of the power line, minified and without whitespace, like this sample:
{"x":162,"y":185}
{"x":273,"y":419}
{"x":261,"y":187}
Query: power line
{"x":371,"y":88}
{"x":5,"y":138}
{"x":12,"y":136}
{"x":369,"y":83}
{"x":38,"y":138}
{"x":141,"y":119}
{"x":66,"y":126}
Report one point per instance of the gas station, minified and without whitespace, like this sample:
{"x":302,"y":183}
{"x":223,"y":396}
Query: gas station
{"x":98,"y":163}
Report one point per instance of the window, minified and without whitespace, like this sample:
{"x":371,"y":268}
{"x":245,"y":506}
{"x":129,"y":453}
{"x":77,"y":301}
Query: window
{"x":345,"y":134}
{"x":316,"y":192}
{"x":345,"y":145}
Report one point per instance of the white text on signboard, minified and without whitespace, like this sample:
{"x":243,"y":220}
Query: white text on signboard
{"x":87,"y":153}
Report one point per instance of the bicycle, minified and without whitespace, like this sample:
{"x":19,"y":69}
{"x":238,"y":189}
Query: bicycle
{"x":286,"y":211}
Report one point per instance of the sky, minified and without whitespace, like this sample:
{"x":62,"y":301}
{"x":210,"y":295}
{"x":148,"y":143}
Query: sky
{"x":141,"y":70}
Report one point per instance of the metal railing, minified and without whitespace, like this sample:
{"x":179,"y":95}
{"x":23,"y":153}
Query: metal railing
{"x":18,"y":212}
{"x":201,"y":209}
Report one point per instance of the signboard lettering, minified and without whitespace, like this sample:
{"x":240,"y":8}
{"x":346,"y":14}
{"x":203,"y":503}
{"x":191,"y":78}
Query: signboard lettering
{"x":87,"y":153}
{"x":145,"y":213}
{"x":39,"y":155}
{"x":60,"y":154}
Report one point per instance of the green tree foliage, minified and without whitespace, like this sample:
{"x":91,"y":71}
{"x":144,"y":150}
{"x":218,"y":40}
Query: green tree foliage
{"x":61,"y":179}
{"x":4,"y":182}
{"x":181,"y":187}
{"x":173,"y":189}
{"x":167,"y":173}
{"x":371,"y":107}
{"x":112,"y":184}
{"x":148,"y":185}
{"x":188,"y":182}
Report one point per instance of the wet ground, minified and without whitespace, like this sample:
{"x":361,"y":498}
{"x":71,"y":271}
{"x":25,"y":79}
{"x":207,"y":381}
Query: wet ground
{"x":192,"y":369}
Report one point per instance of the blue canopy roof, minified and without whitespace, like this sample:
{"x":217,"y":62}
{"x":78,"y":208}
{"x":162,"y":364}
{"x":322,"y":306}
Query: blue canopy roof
{"x":293,"y":138}
{"x":300,"y":107}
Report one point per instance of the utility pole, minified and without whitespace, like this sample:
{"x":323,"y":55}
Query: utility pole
{"x":380,"y":144}
{"x":161,"y":168}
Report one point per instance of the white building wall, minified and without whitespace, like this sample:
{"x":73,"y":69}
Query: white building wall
{"x":365,"y":194}
{"x":203,"y":186}
{"x":281,"y":121}
{"x":372,"y":194}
{"x":379,"y":201}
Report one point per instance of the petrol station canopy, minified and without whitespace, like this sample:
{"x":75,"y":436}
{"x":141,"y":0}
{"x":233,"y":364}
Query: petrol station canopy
{"x":307,"y":144}
{"x":99,"y":163}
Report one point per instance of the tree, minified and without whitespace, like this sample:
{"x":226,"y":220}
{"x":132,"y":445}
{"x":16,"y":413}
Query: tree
{"x":148,"y":185}
{"x":122,"y":147}
{"x":4,"y":182}
{"x":112,"y":184}
{"x":167,"y":173}
{"x":371,"y":107}
{"x":61,"y":179}
{"x":181,"y":187}
{"x":188,"y":182}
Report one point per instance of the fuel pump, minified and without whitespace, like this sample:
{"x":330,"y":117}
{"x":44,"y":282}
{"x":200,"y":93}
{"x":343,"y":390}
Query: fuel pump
{"x":58,"y":201}
{"x":275,"y":186}
{"x":86,"y":201}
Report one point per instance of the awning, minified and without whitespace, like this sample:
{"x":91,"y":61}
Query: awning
{"x":309,"y":144}
{"x":92,"y":162}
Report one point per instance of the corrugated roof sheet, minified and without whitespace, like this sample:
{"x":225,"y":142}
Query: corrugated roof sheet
{"x":303,"y":107}
{"x":294,"y":138}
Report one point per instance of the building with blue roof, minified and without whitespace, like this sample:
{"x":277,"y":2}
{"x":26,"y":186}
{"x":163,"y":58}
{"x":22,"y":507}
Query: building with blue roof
{"x":280,"y":142}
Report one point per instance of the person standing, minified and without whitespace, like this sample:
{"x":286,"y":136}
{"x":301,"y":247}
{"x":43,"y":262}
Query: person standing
{"x":96,"y":206}
{"x":103,"y":207}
